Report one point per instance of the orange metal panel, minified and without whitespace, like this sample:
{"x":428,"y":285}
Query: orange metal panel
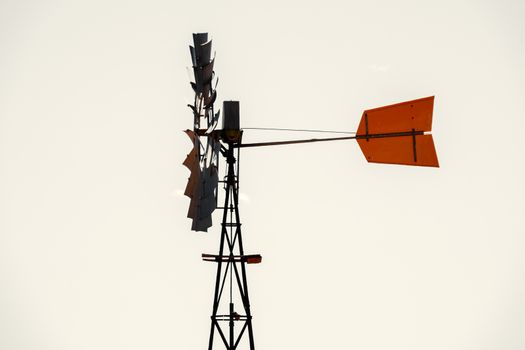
{"x":405,"y":116}
{"x":400,"y":150}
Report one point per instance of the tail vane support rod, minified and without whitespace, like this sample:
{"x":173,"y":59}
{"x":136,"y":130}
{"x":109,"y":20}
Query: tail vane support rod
{"x":355,"y":137}
{"x":415,"y":147}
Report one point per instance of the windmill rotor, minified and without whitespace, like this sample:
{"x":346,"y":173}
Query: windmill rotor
{"x":203,"y":160}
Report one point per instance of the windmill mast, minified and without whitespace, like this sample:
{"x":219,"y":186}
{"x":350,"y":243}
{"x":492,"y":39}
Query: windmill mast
{"x":231,"y":259}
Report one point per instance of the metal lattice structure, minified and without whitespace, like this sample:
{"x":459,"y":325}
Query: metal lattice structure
{"x":394,"y":134}
{"x":231,"y":261}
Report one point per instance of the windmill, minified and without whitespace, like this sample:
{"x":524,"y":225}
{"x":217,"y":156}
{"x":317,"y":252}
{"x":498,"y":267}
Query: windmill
{"x":393,"y":134}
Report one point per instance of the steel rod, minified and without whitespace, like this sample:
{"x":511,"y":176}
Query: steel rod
{"x":356,"y":137}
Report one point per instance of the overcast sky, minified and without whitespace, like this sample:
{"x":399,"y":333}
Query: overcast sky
{"x":96,"y":251}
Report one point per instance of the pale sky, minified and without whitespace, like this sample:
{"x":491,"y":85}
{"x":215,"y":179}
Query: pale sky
{"x":96,"y":251}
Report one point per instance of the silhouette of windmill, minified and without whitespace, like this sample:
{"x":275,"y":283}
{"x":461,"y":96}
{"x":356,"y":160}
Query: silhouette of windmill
{"x":394,"y":134}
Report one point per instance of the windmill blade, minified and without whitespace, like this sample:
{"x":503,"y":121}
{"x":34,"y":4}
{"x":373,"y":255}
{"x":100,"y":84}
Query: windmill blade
{"x":200,"y":38}
{"x":195,"y":197}
{"x":200,"y":53}
{"x":398,"y":134}
{"x":192,"y":163}
{"x":202,"y":66}
{"x":209,"y":98}
{"x":192,"y":135}
{"x":201,"y":225}
{"x":194,"y":190}
{"x":192,"y":159}
{"x":204,"y":200}
{"x":202,"y":184}
{"x":203,"y":77}
{"x":214,"y":122}
{"x":202,"y":80}
{"x":208,"y":200}
{"x":197,"y":52}
{"x":216,"y":148}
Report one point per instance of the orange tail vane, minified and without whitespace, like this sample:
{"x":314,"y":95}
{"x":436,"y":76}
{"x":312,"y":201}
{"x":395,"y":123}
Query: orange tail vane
{"x":399,"y":134}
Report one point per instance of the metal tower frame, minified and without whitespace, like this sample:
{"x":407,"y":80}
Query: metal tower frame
{"x":231,"y":254}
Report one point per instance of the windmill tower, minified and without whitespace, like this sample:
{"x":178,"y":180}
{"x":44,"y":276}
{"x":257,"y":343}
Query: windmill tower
{"x":394,"y":134}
